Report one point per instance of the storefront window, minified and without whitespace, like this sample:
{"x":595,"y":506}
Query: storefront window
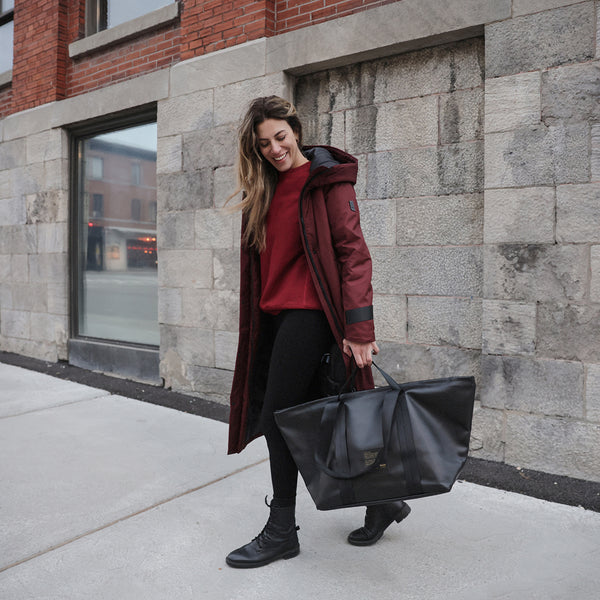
{"x":117,"y":297}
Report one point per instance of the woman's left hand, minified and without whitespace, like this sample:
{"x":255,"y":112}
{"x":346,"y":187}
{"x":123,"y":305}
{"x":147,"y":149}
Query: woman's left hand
{"x":362,"y":352}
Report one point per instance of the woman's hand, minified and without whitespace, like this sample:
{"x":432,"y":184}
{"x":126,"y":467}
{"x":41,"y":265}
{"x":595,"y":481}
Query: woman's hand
{"x":362,"y":352}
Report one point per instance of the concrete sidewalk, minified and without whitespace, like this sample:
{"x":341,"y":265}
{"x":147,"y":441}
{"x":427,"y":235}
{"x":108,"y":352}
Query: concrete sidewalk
{"x":105,"y":497}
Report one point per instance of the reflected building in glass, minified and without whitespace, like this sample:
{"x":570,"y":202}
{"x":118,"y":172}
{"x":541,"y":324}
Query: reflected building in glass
{"x":117,"y":275}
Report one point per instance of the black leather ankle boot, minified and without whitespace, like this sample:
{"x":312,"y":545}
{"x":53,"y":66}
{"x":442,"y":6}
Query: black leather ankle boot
{"x":277,"y":540}
{"x":377,"y":519}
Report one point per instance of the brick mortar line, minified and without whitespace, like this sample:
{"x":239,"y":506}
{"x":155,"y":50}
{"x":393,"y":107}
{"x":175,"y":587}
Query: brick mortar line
{"x":127,"y":517}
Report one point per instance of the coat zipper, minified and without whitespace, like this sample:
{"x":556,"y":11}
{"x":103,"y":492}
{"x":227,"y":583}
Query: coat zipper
{"x":312,"y":261}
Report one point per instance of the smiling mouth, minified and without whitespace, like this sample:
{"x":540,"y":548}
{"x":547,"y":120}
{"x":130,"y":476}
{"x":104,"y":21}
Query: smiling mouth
{"x":280,"y":158}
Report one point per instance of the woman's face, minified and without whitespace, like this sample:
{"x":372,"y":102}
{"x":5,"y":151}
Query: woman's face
{"x":278,"y":144}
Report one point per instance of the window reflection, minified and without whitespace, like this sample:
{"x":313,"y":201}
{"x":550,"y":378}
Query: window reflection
{"x":118,"y":288}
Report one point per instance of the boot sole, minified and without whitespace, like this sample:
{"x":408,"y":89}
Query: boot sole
{"x":261,"y":563}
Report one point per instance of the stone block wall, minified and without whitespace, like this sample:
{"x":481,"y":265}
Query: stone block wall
{"x":541,"y":317}
{"x":415,"y":123}
{"x":34,"y":275}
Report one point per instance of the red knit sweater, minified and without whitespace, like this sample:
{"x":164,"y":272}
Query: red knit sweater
{"x":285,"y":278}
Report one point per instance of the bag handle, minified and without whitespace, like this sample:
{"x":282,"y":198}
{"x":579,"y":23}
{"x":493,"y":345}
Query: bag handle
{"x":332,"y":440}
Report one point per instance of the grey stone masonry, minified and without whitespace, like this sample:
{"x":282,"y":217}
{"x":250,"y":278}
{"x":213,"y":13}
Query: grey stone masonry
{"x":539,"y":41}
{"x":540,"y":311}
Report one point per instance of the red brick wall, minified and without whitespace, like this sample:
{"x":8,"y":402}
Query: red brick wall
{"x":294,"y":14}
{"x":40,"y":59}
{"x":211,"y":25}
{"x":43,"y":72}
{"x":150,"y":52}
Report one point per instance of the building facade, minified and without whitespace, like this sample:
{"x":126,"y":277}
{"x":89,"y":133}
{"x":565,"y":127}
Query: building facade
{"x":476,"y":127}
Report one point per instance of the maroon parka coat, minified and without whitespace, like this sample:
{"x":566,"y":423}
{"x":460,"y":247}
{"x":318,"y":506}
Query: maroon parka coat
{"x":340,"y":265}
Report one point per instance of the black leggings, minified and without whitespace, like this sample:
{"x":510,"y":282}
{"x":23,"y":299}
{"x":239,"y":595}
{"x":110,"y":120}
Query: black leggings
{"x":301,"y":337}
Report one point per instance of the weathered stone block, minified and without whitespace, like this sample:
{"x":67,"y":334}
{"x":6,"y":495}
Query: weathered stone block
{"x":592,"y":393}
{"x":390,"y":318}
{"x":225,"y":349}
{"x":452,"y":220}
{"x":51,"y":268}
{"x":570,"y":332}
{"x":212,"y":384}
{"x":536,"y":156}
{"x":571,"y":93}
{"x":12,"y":154}
{"x":553,"y":445}
{"x":362,"y":127}
{"x":401,"y":124}
{"x":47,"y":206}
{"x":524,"y":7}
{"x":595,"y":159}
{"x":445,"y":271}
{"x":433,"y":70}
{"x":452,"y":169}
{"x":170,"y":306}
{"x":52,"y":237}
{"x":193,"y":346}
{"x":510,"y":213}
{"x":31,"y":297}
{"x":169,"y":154}
{"x":46,"y":327}
{"x":185,"y":191}
{"x":215,"y":147}
{"x":542,"y":40}
{"x":228,"y":303}
{"x":461,"y":116}
{"x":595,"y":280}
{"x":460,"y":168}
{"x":175,"y":230}
{"x":12,"y":211}
{"x":508,"y":327}
{"x":232,"y":101}
{"x":226,"y":268}
{"x":578,"y":213}
{"x":5,"y":184}
{"x":191,"y":112}
{"x":185,"y":268}
{"x":200,"y":308}
{"x":47,"y":145}
{"x":15,"y":323}
{"x":487,"y":434}
{"x":546,"y":387}
{"x":5,"y":267}
{"x":214,"y":229}
{"x":225,"y":185}
{"x":535,"y":272}
{"x":512,"y":101}
{"x":411,"y":362}
{"x":378,"y":222}
{"x":20,"y":267}
{"x":444,"y":321}
{"x":58,"y":298}
{"x":19,"y":239}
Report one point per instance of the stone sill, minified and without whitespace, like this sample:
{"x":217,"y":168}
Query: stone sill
{"x":5,"y":78}
{"x":116,"y":34}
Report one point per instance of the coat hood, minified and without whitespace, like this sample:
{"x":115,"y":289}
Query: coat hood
{"x":330,"y":165}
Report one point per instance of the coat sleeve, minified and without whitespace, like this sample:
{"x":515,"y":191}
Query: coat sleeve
{"x":355,"y":262}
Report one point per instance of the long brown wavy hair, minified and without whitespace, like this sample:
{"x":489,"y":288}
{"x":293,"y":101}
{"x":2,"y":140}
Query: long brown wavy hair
{"x":256,"y":177}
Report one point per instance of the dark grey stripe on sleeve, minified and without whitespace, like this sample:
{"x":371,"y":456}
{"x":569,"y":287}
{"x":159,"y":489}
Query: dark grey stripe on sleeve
{"x":356,"y":315}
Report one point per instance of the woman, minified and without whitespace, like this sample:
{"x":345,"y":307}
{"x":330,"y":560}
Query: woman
{"x":305,"y":284}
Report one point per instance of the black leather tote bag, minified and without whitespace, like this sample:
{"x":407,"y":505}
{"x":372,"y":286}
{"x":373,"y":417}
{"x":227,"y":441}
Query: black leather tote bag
{"x":391,"y":443}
